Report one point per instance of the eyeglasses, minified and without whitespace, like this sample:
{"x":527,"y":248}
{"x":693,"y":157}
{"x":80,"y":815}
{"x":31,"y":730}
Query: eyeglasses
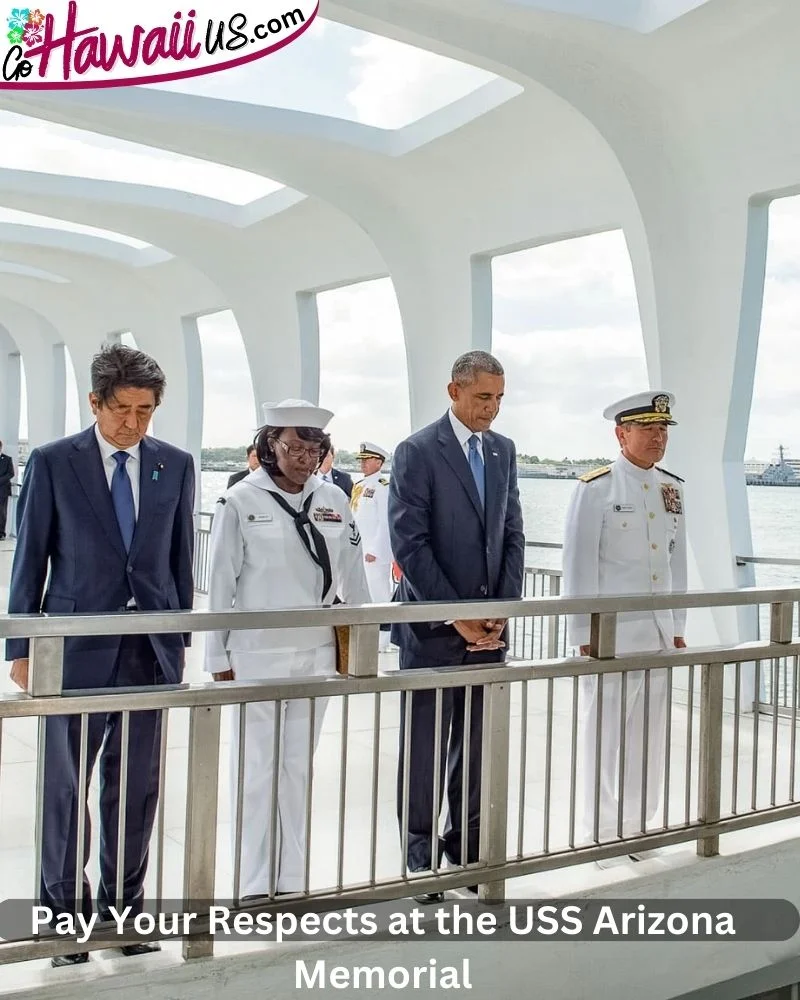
{"x":297,"y":450}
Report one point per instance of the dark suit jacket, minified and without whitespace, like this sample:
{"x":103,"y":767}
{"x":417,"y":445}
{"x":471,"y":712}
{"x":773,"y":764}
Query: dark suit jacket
{"x":237,"y":476}
{"x":343,"y":480}
{"x":447,"y":547}
{"x":67,"y":526}
{"x":6,"y":475}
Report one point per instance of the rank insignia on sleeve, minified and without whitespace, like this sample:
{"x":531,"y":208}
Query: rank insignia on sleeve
{"x":327,"y":514}
{"x":355,"y":536}
{"x":672,"y":499}
{"x":222,"y":500}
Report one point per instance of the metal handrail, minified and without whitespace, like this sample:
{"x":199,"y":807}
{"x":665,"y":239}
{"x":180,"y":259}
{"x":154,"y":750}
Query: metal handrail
{"x":144,"y":622}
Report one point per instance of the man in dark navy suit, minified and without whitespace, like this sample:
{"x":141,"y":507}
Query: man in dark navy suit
{"x":456,"y":532}
{"x":252,"y":465}
{"x":341,"y":479}
{"x":6,"y":475}
{"x":108,"y":514}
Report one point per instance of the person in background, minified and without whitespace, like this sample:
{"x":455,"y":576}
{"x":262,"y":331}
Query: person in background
{"x":6,"y":476}
{"x":336,"y":476}
{"x":370,"y":504}
{"x":105,"y":526}
{"x":456,"y":532}
{"x":626,"y":534}
{"x":282,"y":537}
{"x":252,"y":465}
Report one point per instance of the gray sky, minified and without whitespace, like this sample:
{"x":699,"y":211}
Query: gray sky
{"x":566,"y":322}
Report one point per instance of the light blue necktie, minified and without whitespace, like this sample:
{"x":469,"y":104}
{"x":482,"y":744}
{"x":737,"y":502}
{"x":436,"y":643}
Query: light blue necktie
{"x":122,"y":498}
{"x":476,"y":465}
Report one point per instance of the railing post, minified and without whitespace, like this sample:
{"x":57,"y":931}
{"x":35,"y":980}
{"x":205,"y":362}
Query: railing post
{"x":603,"y":636}
{"x":553,"y":621}
{"x":494,"y":784}
{"x":781,"y":619}
{"x":362,"y":656}
{"x":46,"y":667}
{"x":712,"y":685}
{"x":201,"y":820}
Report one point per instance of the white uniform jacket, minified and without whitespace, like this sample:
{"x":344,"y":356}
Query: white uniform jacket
{"x":370,"y":503}
{"x":258,"y":562}
{"x":625,"y":534}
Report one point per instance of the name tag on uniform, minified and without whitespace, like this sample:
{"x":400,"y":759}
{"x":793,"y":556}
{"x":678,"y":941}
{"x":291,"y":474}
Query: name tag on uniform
{"x":672,"y":499}
{"x":624,"y":508}
{"x":259,"y":518}
{"x":327,"y":514}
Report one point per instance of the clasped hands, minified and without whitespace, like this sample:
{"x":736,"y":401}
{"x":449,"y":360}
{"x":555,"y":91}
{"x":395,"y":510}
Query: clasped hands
{"x":481,"y":635}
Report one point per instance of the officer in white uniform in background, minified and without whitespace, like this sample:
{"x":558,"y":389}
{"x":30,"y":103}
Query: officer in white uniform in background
{"x":370,"y":503}
{"x":625,"y":534}
{"x":259,"y":560}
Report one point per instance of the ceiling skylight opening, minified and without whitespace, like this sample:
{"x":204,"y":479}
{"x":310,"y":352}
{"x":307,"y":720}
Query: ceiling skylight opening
{"x":12,"y":216}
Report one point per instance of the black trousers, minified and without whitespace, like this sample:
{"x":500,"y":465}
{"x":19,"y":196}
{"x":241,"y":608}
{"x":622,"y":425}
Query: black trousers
{"x":3,"y":514}
{"x":136,"y":666}
{"x":448,"y":771}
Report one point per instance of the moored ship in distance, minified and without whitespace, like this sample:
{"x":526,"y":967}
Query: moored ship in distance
{"x":781,"y":473}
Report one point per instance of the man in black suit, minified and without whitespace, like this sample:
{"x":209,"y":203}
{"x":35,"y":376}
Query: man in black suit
{"x":341,"y":479}
{"x":252,"y":465}
{"x":6,"y":475}
{"x":455,"y":524}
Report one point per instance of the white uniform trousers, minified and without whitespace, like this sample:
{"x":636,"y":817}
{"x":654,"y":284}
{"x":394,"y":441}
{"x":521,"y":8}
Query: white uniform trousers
{"x":613,"y":724}
{"x":379,"y":581}
{"x":259,"y":766}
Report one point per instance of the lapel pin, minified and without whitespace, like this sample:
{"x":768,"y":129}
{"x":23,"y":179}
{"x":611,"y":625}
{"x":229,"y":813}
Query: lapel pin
{"x":156,"y":471}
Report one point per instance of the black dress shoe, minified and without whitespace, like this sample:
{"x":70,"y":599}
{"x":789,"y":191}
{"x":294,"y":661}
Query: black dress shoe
{"x":426,"y":898}
{"x":144,"y":948}
{"x":77,"y":959}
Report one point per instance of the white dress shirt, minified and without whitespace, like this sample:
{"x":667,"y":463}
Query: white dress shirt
{"x":132,"y":466}
{"x":463,"y":434}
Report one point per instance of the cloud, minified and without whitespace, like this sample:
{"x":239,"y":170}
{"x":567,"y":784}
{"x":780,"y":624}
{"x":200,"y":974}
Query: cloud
{"x":397,"y":83}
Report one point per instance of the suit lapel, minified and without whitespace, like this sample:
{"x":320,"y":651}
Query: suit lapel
{"x":150,"y":489}
{"x":457,"y":460}
{"x":491,"y":461}
{"x":87,"y":464}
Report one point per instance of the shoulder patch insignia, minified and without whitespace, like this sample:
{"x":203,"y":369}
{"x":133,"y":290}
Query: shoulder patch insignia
{"x":589,"y":477}
{"x":670,"y":474}
{"x":384,"y":481}
{"x":355,"y":535}
{"x":222,"y":500}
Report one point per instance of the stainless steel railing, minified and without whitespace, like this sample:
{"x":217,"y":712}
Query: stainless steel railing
{"x":539,"y":797}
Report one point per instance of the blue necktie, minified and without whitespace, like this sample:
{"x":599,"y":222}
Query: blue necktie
{"x":476,"y":466}
{"x":122,"y":498}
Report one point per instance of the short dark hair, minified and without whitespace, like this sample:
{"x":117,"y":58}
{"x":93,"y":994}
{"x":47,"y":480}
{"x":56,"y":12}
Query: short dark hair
{"x":467,"y":368}
{"x":118,"y":367}
{"x":250,"y":449}
{"x":266,"y":455}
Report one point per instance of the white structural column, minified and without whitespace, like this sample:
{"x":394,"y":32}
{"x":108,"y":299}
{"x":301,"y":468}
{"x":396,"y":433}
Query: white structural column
{"x":308,"y":328}
{"x":58,"y":408}
{"x":269,"y":323}
{"x":705,"y":273}
{"x":161,"y":336}
{"x":10,"y":394}
{"x":195,"y":395}
{"x":445,"y":304}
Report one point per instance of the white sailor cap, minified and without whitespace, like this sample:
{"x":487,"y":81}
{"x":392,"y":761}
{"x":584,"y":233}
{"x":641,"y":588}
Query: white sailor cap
{"x":296,"y":413}
{"x":651,"y":407}
{"x":371,"y":450}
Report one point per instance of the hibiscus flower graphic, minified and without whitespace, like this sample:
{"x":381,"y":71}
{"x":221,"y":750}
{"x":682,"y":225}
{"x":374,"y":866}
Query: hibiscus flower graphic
{"x":15,"y":36}
{"x":36,"y":17}
{"x":18,"y":18}
{"x":33,"y":34}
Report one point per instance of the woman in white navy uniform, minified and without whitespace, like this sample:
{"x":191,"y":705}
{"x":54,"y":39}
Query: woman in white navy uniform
{"x":263,"y":556}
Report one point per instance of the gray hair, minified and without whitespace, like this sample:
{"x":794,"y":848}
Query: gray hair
{"x":470,"y":365}
{"x":119,"y":367}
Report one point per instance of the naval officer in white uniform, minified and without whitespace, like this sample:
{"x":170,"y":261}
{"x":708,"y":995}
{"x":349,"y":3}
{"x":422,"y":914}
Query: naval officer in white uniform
{"x":281,"y":537}
{"x":370,"y":503}
{"x":625,"y":534}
